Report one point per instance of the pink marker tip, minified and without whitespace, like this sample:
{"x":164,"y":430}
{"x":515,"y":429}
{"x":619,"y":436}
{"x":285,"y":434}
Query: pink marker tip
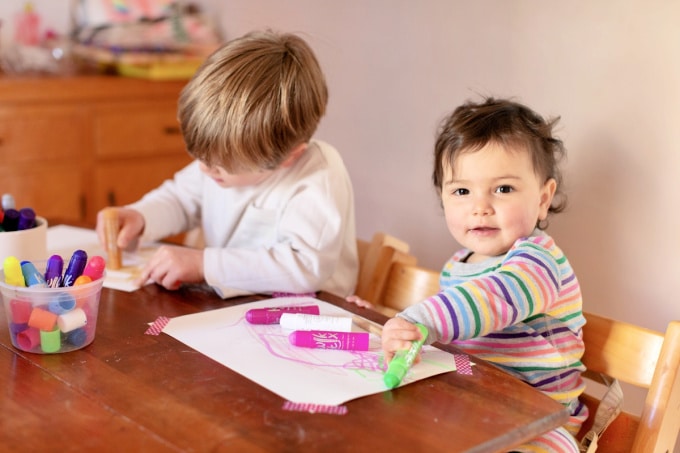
{"x":95,"y":267}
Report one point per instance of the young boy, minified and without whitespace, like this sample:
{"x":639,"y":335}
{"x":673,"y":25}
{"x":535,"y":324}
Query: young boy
{"x":276,"y":208}
{"x":510,"y":295}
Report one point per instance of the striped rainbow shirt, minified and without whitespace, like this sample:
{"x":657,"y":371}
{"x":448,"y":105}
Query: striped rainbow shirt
{"x":520,"y":311}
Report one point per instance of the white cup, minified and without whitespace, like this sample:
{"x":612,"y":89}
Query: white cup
{"x":28,"y":244}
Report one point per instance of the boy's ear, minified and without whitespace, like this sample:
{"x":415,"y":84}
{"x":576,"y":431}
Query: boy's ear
{"x":294,"y":154}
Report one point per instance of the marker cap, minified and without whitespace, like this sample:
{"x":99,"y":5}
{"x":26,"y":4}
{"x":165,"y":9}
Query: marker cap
{"x":26,"y":219}
{"x":75,"y":267}
{"x":55,"y":266}
{"x":95,"y":267}
{"x":300,"y":321}
{"x":31,"y":275}
{"x":272,"y":315}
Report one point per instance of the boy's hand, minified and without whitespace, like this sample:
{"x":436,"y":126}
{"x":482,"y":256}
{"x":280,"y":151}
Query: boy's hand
{"x":397,"y":335}
{"x":359,"y":301}
{"x":130,"y":224}
{"x":173,"y":265}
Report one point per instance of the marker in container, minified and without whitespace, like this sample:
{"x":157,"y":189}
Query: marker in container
{"x":272,"y":315}
{"x":320,"y":339}
{"x":8,"y":202}
{"x":75,"y":267}
{"x":402,"y":360}
{"x":26,"y":219}
{"x":111,"y":228}
{"x":95,"y":268}
{"x":31,"y":275}
{"x":55,"y":266}
{"x":11,"y":220}
{"x":72,"y":320}
{"x":61,"y":303}
{"x":13,"y":274}
{"x":300,"y":321}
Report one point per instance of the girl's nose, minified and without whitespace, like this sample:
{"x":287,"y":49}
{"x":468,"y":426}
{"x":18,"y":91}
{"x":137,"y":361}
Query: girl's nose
{"x":482,"y":207}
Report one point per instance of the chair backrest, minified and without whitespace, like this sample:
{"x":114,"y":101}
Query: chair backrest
{"x":375,"y":259}
{"x":643,"y":358}
{"x":407,"y":284}
{"x":632,"y":354}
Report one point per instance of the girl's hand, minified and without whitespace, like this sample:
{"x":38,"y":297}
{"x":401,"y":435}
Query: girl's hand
{"x":173,"y":265}
{"x":397,"y":335}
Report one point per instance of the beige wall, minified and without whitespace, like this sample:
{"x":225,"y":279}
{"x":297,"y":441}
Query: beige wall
{"x":610,"y":69}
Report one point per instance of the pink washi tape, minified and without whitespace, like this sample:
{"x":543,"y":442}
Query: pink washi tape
{"x":157,"y":326}
{"x":462,"y":364}
{"x":314,"y":408}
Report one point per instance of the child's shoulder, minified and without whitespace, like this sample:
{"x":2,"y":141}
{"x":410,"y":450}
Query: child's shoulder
{"x":539,"y":239}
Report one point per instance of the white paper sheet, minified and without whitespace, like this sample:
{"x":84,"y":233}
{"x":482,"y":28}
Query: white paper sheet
{"x":64,"y":240}
{"x":263,"y":354}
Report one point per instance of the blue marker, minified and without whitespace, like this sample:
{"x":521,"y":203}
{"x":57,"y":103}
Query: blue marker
{"x":402,"y":360}
{"x":55,"y":266}
{"x":75,"y":267}
{"x":31,"y":275}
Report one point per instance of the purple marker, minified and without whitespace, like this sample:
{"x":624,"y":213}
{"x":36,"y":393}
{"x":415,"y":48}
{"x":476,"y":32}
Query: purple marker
{"x":273,"y":315}
{"x":11,"y":220}
{"x":75,"y":267}
{"x":323,"y":339}
{"x":26,"y":219}
{"x":55,"y":265}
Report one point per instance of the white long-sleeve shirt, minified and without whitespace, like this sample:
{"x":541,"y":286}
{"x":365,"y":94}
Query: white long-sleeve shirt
{"x":293,"y":232}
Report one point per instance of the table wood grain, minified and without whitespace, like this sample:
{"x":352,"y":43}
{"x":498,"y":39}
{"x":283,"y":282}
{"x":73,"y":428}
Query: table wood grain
{"x":128,"y":391}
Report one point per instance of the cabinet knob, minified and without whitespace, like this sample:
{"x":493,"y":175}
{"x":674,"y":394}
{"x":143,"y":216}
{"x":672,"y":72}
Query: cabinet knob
{"x":171,"y":130}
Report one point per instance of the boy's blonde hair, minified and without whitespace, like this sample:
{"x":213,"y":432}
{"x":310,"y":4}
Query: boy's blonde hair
{"x":252,"y":101}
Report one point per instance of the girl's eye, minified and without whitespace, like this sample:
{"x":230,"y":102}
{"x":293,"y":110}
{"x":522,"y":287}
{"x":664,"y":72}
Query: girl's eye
{"x":461,"y":191}
{"x":504,"y":189}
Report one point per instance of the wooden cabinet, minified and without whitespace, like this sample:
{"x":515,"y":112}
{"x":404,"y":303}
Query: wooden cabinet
{"x":70,"y":146}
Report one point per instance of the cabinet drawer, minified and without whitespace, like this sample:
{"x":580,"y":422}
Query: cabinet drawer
{"x":120,"y":183}
{"x":43,"y":134}
{"x":54,"y":191}
{"x":138,"y":129}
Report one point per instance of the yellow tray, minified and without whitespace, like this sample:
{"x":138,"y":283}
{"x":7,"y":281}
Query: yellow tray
{"x":174,"y":70}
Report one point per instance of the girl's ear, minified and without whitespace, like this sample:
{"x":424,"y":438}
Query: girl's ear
{"x":547,"y":194}
{"x":294,"y":155}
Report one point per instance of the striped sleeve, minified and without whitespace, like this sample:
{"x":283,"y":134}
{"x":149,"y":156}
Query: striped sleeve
{"x":525,"y":283}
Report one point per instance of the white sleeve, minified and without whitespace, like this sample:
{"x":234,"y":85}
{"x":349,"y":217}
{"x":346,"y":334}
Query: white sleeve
{"x":173,"y":207}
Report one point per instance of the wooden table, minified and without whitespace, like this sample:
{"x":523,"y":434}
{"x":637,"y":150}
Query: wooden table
{"x":129,"y":391}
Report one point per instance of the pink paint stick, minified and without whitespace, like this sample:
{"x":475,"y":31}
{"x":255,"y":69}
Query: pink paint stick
{"x":272,"y":315}
{"x":324,"y":339}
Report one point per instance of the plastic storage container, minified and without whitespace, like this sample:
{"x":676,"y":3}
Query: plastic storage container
{"x":51,"y":320}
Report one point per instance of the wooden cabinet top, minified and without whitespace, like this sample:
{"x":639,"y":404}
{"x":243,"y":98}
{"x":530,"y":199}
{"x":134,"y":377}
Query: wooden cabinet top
{"x":84,"y":88}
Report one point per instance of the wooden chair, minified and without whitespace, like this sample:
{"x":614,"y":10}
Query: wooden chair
{"x":632,"y":354}
{"x":642,"y":358}
{"x":375,"y":259}
{"x":406,"y":284}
